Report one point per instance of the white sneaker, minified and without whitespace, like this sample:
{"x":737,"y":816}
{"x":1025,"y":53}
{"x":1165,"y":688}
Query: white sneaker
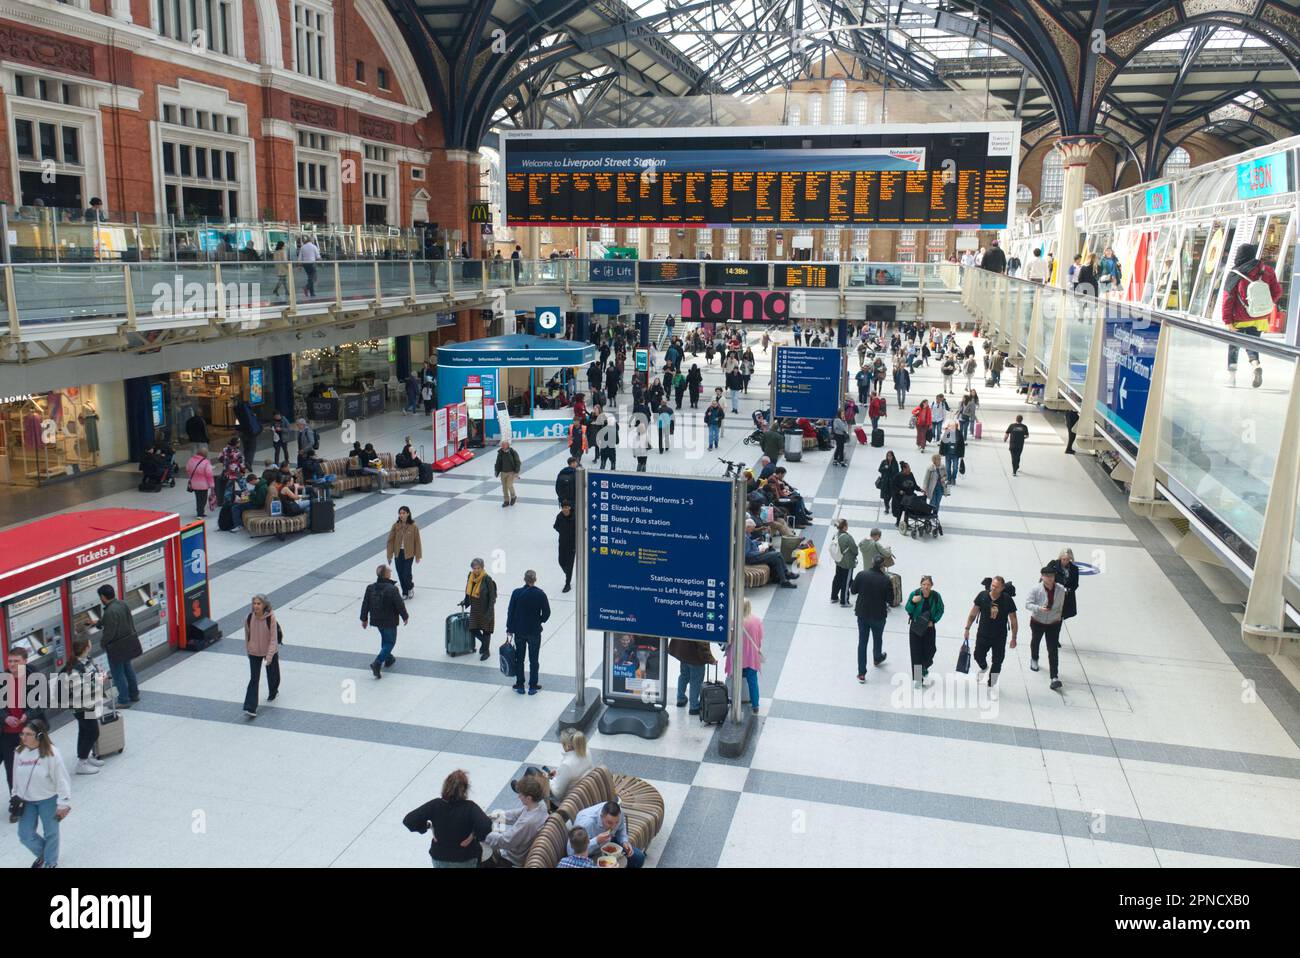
{"x":97,"y":762}
{"x":983,"y":673}
{"x":85,"y":768}
{"x":1232,"y":377}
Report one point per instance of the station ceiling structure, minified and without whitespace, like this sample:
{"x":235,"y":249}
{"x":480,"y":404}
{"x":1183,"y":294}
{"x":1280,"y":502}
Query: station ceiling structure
{"x":1142,"y":74}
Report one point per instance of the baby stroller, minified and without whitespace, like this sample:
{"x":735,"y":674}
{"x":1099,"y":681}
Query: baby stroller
{"x":760,"y":419}
{"x":920,"y":519}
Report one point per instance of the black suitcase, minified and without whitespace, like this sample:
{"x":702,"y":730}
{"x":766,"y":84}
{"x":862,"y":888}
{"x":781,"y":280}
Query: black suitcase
{"x":426,"y":473}
{"x":713,"y":700}
{"x":877,"y":437}
{"x":226,"y":518}
{"x":322,"y":516}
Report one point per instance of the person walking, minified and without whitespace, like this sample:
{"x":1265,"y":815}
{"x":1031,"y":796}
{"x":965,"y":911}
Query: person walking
{"x":875,"y":593}
{"x":121,"y":644}
{"x":641,"y":440}
{"x":968,"y":368}
{"x":924,"y":608}
{"x":606,"y":439}
{"x":996,"y":609}
{"x":877,"y":409}
{"x":279,"y":440}
{"x":947,"y":370}
{"x":922,"y":418}
{"x":1250,"y":300}
{"x":458,"y":825}
{"x":308,"y":257}
{"x":888,"y":476}
{"x":1067,"y":575}
{"x":1014,"y":437}
{"x":86,"y":683}
{"x":42,"y":784}
{"x":481,"y":600}
{"x":404,"y":550}
{"x":751,"y":660}
{"x":905,"y":486}
{"x":935,"y":479}
{"x":382,"y":607}
{"x":281,"y":259}
{"x":734,"y":383}
{"x":664,"y":432}
{"x":939,"y":413}
{"x":902,"y":381}
{"x":713,"y":417}
{"x":527,"y":612}
{"x":566,"y":527}
{"x":1046,"y":605}
{"x":694,"y":658}
{"x":953,"y":447}
{"x":201,"y":482}
{"x":566,"y":481}
{"x":262,"y":644}
{"x":844,"y":553}
{"x":507,"y":469}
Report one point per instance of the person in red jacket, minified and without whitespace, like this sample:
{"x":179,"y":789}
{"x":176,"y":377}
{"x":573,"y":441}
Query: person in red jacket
{"x":924,"y":417}
{"x":876,"y":409}
{"x":1245,"y":309}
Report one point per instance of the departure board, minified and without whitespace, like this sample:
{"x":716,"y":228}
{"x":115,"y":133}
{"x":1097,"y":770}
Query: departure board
{"x":903,"y":176}
{"x":806,"y":276}
{"x":748,"y":275}
{"x":655,"y":272}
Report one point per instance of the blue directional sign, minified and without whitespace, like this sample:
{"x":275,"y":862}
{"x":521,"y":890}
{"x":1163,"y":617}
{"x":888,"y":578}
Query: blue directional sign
{"x":613,"y":271}
{"x":659,"y":555}
{"x":807,"y":382}
{"x":1129,"y":358}
{"x":549,"y":320}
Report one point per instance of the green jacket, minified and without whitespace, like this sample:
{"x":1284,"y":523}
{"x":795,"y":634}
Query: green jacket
{"x":870,"y":549}
{"x":772,"y":443}
{"x":913,"y":605}
{"x":507,"y":461}
{"x":849,"y":550}
{"x":257,"y":498}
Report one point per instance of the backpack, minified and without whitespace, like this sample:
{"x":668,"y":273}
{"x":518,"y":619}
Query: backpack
{"x":279,"y":632}
{"x":834,"y":550}
{"x":1258,"y":301}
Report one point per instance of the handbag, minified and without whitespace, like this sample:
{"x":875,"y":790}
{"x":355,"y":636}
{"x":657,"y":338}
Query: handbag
{"x":507,"y":658}
{"x":963,"y":659}
{"x":749,"y":638}
{"x":961,"y":467}
{"x":921,"y":623}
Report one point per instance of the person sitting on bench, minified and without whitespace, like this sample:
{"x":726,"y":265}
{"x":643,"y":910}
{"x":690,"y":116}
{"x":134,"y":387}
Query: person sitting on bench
{"x":762,"y":553}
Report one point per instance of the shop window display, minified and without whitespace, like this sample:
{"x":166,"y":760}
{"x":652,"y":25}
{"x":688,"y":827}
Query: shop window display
{"x":347,"y":380}
{"x":48,"y":435}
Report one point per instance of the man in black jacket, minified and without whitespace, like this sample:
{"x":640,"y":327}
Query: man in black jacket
{"x":995,"y":261}
{"x":120,"y":644}
{"x":566,"y":483}
{"x":528,"y":609}
{"x":874,"y":592}
{"x":382,"y":607}
{"x":566,"y":526}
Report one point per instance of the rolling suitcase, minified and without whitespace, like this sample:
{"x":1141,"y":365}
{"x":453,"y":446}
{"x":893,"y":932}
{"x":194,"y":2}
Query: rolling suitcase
{"x":426,"y":473}
{"x":979,"y":429}
{"x":896,"y":581}
{"x":877,"y":437}
{"x":322,"y":516}
{"x":458,"y":639}
{"x":713,"y":700}
{"x":861,"y":434}
{"x":112,"y":734}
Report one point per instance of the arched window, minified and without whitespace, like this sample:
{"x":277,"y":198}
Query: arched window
{"x":839,"y":101}
{"x":860,"y":108}
{"x":1179,"y":160}
{"x":1024,"y":195}
{"x":814,"y":109}
{"x":1053,"y":183}
{"x":1090,"y":192}
{"x":795,"y":115}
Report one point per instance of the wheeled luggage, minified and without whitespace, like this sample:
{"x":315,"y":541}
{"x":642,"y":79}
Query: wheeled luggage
{"x":322,"y":516}
{"x":426,"y":473}
{"x":112,"y":734}
{"x":458,"y":639}
{"x":713,"y":700}
{"x":877,"y":437}
{"x":896,"y":581}
{"x":979,"y":429}
{"x":861,"y":434}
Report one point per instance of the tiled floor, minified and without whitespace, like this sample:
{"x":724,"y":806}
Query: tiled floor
{"x":1169,"y":745}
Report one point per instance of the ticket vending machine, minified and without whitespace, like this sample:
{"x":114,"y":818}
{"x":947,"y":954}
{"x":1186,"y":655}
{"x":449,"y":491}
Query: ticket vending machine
{"x":85,"y":607}
{"x":144,"y":590}
{"x":35,"y":622}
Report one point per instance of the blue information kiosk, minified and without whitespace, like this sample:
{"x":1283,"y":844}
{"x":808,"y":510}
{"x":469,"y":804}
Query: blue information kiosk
{"x":526,"y":373}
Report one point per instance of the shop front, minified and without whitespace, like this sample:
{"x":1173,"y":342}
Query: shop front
{"x":351,"y":381}
{"x":521,"y":383}
{"x":212,"y":393}
{"x":60,"y":433}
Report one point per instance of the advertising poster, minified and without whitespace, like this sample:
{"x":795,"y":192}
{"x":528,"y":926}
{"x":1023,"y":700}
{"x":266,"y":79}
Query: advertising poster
{"x":256,"y":385}
{"x":440,"y":432}
{"x":634,"y":667}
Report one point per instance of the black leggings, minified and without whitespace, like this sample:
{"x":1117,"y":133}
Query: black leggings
{"x":484,"y":639}
{"x":87,"y":736}
{"x":200,"y":502}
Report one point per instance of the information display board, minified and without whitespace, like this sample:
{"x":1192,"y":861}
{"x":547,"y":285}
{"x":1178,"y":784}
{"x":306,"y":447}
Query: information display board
{"x":892,"y":175}
{"x":668,"y":273}
{"x":807,"y":382}
{"x":807,"y":276}
{"x":635,"y":666}
{"x":745,"y":275}
{"x":659,"y":555}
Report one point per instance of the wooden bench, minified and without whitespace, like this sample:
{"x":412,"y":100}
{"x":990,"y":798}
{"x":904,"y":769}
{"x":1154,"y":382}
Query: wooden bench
{"x":757,"y":576}
{"x":643,"y":810}
{"x":345,"y":483}
{"x":260,"y":522}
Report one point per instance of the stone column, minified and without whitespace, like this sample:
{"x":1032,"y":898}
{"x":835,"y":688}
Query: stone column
{"x":1077,"y":151}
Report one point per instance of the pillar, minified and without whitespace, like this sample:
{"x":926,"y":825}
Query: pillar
{"x":643,"y":328}
{"x":402,"y":349}
{"x":1077,"y":151}
{"x":282,"y":384}
{"x":580,"y":323}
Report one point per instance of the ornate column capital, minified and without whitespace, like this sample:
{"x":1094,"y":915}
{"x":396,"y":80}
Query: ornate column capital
{"x":1077,"y":149}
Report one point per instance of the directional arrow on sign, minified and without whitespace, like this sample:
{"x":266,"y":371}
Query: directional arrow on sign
{"x":1123,"y":391}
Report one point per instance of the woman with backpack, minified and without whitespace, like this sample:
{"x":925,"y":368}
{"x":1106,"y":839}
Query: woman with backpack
{"x":924,"y":608}
{"x":262,"y":643}
{"x":1248,"y":305}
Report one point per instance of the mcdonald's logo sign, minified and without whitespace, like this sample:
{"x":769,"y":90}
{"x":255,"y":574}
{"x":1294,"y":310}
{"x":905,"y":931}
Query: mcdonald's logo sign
{"x":480,"y":213}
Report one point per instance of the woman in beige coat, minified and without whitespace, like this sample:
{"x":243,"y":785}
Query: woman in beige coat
{"x":262,"y":643}
{"x":404,"y":549}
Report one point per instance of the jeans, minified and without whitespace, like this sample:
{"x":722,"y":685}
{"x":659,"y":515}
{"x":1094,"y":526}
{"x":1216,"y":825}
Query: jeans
{"x":751,"y":679}
{"x":280,"y":451}
{"x":404,"y":563}
{"x":965,"y":428}
{"x":734,"y":395}
{"x":875,"y":631}
{"x":839,"y":448}
{"x":692,"y":677}
{"x":953,"y":464}
{"x":528,"y":646}
{"x":875,"y":420}
{"x":379,"y":477}
{"x":902,"y":397}
{"x":272,"y":678}
{"x":44,"y":847}
{"x":310,"y":270}
{"x":713,"y":435}
{"x":87,"y":735}
{"x":937,"y":497}
{"x":1250,"y":353}
{"x":125,"y":681}
{"x":1053,"y":632}
{"x":387,"y":640}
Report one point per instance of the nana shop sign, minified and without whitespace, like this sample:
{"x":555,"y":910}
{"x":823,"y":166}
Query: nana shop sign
{"x":735,"y":306}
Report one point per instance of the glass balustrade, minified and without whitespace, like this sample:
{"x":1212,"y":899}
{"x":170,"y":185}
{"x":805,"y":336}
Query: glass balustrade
{"x":65,"y":294}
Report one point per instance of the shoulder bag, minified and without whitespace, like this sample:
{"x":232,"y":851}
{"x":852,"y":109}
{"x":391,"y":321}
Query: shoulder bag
{"x":921,"y":621}
{"x":750,"y":639}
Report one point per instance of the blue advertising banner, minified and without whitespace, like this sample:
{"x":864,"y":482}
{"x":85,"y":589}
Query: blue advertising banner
{"x":659,"y":555}
{"x":1266,"y":176}
{"x":256,"y":385}
{"x":156,"y":405}
{"x":807,"y":382}
{"x":194,"y":558}
{"x":1128,"y":359}
{"x":605,"y":307}
{"x":613,"y":271}
{"x":1159,"y":199}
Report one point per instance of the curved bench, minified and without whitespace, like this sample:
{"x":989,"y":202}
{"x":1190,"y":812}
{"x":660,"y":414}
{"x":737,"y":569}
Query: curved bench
{"x":643,"y":809}
{"x":757,"y":576}
{"x":259,"y":522}
{"x":345,"y":483}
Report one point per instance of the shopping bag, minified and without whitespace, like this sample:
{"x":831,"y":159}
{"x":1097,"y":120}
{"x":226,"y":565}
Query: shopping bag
{"x":963,"y":659}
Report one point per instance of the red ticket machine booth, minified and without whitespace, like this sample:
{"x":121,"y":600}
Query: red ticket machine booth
{"x":51,"y":571}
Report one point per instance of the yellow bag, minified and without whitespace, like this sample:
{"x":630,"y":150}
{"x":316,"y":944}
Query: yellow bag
{"x":805,"y":558}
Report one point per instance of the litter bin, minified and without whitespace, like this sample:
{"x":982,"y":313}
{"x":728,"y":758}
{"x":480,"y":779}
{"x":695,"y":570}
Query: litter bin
{"x":793,"y":445}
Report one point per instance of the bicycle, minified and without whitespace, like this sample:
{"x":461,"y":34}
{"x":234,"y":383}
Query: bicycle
{"x":734,"y":470}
